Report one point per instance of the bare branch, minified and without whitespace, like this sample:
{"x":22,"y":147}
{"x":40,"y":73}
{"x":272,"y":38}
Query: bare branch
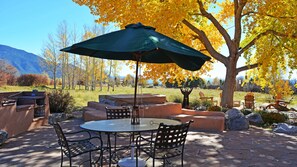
{"x":216,"y":24}
{"x":247,"y":67}
{"x":203,"y":38}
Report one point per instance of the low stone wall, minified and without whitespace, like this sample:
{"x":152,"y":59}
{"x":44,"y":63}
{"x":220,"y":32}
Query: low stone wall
{"x":96,"y":111}
{"x":203,"y":120}
{"x":128,"y":99}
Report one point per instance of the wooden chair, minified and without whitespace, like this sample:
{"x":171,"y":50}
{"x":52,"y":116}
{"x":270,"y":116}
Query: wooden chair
{"x":168,"y":143}
{"x":249,"y":101}
{"x":207,"y":98}
{"x":75,"y":147}
{"x":279,"y":104}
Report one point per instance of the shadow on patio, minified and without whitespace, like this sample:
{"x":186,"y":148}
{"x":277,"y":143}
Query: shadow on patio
{"x":255,"y":147}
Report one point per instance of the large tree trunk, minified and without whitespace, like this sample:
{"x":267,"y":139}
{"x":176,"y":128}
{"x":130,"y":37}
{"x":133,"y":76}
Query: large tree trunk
{"x":229,"y":85}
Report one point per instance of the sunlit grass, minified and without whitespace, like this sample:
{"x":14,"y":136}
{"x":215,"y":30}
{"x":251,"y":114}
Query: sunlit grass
{"x":82,"y":97}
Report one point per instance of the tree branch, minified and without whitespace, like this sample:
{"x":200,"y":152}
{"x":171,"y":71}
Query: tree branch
{"x":237,"y":21}
{"x":216,"y":24}
{"x":247,"y":67}
{"x":269,"y":15}
{"x":263,"y":34}
{"x":203,"y":38}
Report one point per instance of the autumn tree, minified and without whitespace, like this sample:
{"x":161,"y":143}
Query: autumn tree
{"x":74,"y":62}
{"x":63,"y":41}
{"x":216,"y":81}
{"x":92,"y":69}
{"x":114,"y":68}
{"x":7,"y":73}
{"x":263,"y":32}
{"x":50,"y":53}
{"x":128,"y":80}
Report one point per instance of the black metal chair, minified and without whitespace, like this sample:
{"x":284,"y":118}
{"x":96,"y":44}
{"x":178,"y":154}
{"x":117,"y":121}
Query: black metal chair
{"x":74,"y":147}
{"x":117,"y":113}
{"x":168,"y":143}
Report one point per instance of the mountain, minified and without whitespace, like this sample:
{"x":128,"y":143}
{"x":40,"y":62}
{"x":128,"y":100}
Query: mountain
{"x":24,"y":62}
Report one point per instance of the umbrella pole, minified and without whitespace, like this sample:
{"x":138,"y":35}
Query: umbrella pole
{"x":135,"y":111}
{"x":136,"y":81}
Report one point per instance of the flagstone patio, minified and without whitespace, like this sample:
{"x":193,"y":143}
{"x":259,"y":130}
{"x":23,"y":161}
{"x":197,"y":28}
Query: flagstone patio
{"x":252,"y":148}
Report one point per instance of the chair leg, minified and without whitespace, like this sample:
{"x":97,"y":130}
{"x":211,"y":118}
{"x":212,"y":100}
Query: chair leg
{"x":61,"y":157}
{"x":101,"y":157}
{"x":90,"y":158}
{"x":109,"y":147}
{"x":115,"y":144}
{"x":182,"y":160}
{"x":70,"y":161}
{"x":136,"y":154}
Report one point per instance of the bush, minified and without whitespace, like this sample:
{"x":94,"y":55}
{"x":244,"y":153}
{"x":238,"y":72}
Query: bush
{"x":194,"y":104}
{"x":270,"y":118}
{"x":32,"y":80}
{"x":207,"y":104}
{"x":214,"y":108}
{"x":60,"y":102}
{"x":246,"y":112}
{"x":225,"y":109}
{"x":177,"y":99}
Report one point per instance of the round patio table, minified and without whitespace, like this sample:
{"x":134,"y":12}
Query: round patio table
{"x":124,"y":125}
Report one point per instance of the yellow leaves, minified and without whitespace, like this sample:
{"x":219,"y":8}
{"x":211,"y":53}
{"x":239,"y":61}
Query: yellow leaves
{"x":166,"y":17}
{"x":282,"y":88}
{"x":227,"y":11}
{"x":273,"y":53}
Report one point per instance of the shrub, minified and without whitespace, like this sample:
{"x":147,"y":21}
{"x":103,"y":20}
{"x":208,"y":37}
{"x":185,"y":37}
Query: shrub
{"x":214,"y":108}
{"x":12,"y":80}
{"x":177,"y":99}
{"x":61,"y":102}
{"x":246,"y":112}
{"x":32,"y":80}
{"x":225,"y":109}
{"x":194,"y":104}
{"x":270,"y":118}
{"x":207,"y":104}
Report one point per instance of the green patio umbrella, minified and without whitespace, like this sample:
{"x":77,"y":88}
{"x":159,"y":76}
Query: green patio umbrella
{"x":141,"y":44}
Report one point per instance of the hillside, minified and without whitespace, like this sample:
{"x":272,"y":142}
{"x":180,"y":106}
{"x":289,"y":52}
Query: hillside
{"x":24,"y":62}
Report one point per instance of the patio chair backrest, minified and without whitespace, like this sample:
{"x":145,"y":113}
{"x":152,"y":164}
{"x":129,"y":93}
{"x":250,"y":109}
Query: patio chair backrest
{"x":201,"y":94}
{"x":117,"y":113}
{"x":61,"y":137}
{"x":171,"y":136}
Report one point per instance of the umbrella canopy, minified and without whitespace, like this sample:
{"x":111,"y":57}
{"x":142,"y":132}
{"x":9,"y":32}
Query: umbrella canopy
{"x":140,"y":43}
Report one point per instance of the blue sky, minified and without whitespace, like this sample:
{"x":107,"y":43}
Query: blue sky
{"x":26,"y":24}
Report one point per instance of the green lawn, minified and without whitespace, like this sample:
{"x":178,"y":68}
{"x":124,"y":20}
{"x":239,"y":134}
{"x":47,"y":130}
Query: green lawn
{"x":82,"y":96}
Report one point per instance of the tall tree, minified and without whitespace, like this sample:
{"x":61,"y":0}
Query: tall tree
{"x":63,"y":41}
{"x":50,"y":53}
{"x":74,"y":63}
{"x":254,"y":23}
{"x":94,"y":67}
